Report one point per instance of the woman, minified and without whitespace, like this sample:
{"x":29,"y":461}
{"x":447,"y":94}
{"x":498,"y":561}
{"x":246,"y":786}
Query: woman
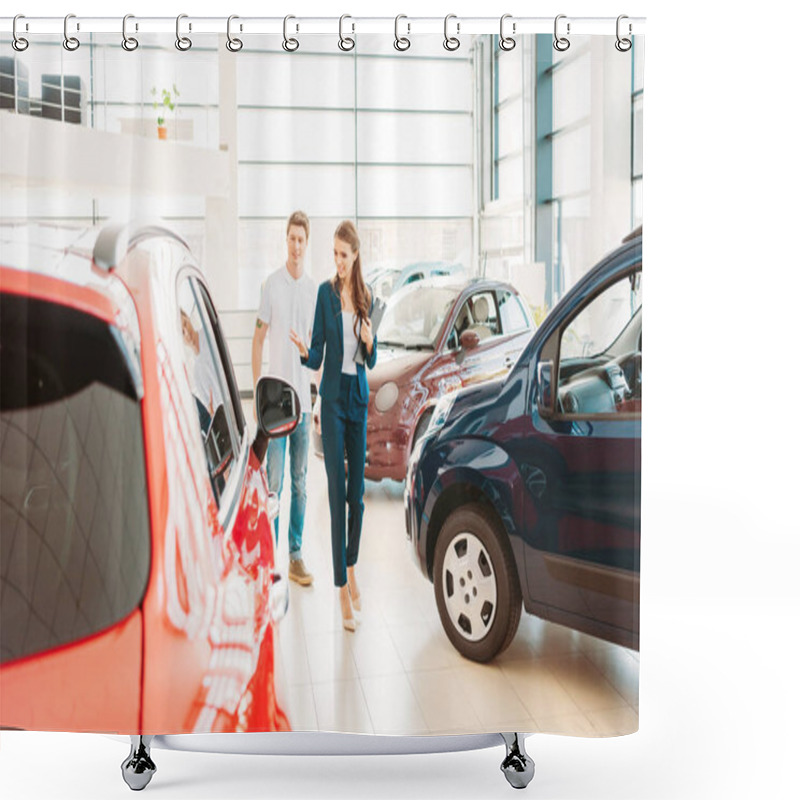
{"x":342,"y":333}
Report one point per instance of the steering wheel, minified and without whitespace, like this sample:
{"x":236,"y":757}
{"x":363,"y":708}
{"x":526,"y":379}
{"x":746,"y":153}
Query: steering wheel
{"x":631,"y":366}
{"x":636,"y":383}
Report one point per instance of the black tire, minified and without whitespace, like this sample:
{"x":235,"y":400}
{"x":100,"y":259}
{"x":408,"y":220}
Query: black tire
{"x":479,"y":634}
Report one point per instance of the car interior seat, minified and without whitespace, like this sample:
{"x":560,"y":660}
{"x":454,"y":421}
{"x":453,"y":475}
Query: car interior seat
{"x":480,"y":313}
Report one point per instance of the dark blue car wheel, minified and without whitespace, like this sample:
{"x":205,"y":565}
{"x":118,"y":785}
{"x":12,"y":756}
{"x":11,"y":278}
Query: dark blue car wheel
{"x":476,"y":583}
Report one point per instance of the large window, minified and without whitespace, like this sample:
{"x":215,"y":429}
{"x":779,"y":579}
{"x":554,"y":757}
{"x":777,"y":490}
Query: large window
{"x":508,"y":171}
{"x":637,"y":125}
{"x":503,"y":97}
{"x":588,"y":155}
{"x":383,"y":138}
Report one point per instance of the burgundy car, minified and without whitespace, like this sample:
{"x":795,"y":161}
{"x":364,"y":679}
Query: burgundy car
{"x":435,"y":336}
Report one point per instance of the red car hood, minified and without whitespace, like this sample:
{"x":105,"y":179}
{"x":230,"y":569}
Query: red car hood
{"x":396,"y":365}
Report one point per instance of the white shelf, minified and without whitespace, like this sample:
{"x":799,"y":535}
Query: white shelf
{"x":49,"y":153}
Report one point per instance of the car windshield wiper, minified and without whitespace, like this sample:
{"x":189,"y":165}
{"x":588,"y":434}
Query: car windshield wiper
{"x":406,"y":346}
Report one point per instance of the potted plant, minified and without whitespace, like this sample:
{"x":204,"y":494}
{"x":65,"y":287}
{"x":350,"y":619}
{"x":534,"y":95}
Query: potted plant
{"x":166,"y":100}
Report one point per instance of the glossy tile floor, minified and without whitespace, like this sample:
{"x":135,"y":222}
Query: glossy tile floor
{"x":399,"y":674}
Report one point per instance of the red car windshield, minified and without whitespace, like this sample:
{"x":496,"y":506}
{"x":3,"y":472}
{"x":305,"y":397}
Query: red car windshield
{"x":74,"y":521}
{"x":414,"y":317}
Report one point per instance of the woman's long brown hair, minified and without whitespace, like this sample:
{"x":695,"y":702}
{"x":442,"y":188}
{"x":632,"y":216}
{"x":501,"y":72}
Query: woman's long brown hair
{"x":362,"y":299}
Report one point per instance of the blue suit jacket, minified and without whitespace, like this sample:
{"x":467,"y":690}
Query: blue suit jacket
{"x":327,"y":340}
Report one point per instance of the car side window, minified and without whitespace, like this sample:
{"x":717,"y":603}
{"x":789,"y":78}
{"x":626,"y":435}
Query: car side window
{"x":483,"y":315}
{"x":229,"y":376}
{"x":512,"y":317}
{"x":600,"y":357}
{"x":215,"y":422}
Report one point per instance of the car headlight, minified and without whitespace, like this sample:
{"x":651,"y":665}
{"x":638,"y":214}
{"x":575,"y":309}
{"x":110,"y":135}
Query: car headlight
{"x":387,"y":396}
{"x":440,"y":413}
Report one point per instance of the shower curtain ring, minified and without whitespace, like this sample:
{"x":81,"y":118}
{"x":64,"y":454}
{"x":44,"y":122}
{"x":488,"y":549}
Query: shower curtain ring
{"x":560,"y":43}
{"x":401,"y":43}
{"x":70,"y":42}
{"x":20,"y":43}
{"x":346,"y":43}
{"x":181,"y":42}
{"x":507,"y":42}
{"x":289,"y":44}
{"x":129,"y":43}
{"x":451,"y":42}
{"x":234,"y":44}
{"x":623,"y":44}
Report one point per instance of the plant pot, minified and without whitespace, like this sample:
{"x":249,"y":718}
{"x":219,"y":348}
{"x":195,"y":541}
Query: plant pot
{"x":162,"y":131}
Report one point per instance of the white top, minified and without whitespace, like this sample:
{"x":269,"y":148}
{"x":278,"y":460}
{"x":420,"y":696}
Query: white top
{"x":289,"y":304}
{"x":349,"y":344}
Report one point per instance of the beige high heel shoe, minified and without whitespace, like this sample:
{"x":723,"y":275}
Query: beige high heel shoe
{"x":352,"y":586}
{"x":348,"y":620}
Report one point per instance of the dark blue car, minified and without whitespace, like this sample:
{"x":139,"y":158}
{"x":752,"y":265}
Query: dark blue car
{"x":526,"y":491}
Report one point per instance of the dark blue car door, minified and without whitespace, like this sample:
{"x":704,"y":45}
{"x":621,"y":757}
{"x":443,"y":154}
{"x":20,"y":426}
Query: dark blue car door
{"x":582,"y":519}
{"x":581,"y":468}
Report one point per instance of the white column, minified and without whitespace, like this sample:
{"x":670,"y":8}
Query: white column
{"x":611,"y":146}
{"x":221,"y":259}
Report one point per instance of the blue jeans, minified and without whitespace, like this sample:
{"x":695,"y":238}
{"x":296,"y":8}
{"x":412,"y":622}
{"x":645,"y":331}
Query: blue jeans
{"x":298,"y":466}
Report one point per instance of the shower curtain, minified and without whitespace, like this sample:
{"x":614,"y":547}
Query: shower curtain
{"x":495,"y":191}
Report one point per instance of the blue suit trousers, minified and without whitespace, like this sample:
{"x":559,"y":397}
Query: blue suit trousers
{"x":344,"y":434}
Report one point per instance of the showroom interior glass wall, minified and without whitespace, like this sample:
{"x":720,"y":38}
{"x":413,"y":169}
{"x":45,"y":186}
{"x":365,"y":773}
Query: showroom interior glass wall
{"x":417,"y":147}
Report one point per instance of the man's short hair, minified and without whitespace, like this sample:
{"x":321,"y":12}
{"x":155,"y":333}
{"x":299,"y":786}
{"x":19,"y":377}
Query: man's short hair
{"x":301,"y":220}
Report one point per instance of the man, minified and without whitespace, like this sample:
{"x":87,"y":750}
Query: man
{"x":288,"y":301}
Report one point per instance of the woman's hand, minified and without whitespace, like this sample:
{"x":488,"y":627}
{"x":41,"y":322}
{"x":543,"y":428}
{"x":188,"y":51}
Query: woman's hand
{"x":366,"y":333}
{"x":299,"y":344}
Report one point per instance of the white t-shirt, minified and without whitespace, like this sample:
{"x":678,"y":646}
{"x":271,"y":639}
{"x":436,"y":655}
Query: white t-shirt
{"x":349,"y":344}
{"x":289,"y":304}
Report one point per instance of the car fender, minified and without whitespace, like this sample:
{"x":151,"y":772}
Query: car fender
{"x":472,"y":470}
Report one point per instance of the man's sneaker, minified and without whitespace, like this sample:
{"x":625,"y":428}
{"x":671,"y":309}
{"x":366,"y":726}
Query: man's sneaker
{"x":299,"y":573}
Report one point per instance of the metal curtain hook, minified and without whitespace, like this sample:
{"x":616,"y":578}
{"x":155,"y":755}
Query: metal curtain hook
{"x":346,"y":43}
{"x":234,"y":44}
{"x":289,"y":44}
{"x":451,"y":42}
{"x":401,"y":43}
{"x":623,"y":44}
{"x":70,"y":42}
{"x":507,"y":42}
{"x":181,"y":42}
{"x":560,"y":43}
{"x":20,"y":43}
{"x":129,"y":43}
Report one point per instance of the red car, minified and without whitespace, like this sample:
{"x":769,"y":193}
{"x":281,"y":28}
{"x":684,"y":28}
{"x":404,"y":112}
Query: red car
{"x":139,"y":589}
{"x":435,"y":336}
